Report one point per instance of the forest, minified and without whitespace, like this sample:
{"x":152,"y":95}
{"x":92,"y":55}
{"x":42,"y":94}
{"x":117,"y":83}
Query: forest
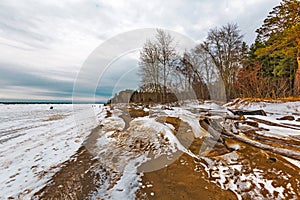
{"x":223,"y":65}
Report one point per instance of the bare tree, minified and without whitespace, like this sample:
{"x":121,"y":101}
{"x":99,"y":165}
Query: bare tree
{"x":158,"y":59}
{"x":190,"y":68}
{"x":206,"y":65}
{"x":167,"y":56}
{"x":149,"y":66}
{"x":226,"y":49}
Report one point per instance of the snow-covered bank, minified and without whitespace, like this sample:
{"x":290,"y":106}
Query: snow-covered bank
{"x":271,"y":107}
{"x":35,"y":139}
{"x":136,"y":141}
{"x":241,"y":171}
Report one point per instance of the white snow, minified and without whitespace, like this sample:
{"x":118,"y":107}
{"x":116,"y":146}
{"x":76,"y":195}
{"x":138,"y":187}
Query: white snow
{"x":278,"y":131}
{"x":113,"y":123}
{"x":124,"y":151}
{"x":190,"y":118}
{"x":272,"y":107}
{"x":127,"y":186}
{"x":293,"y":161}
{"x":34,"y":140}
{"x":274,"y":110}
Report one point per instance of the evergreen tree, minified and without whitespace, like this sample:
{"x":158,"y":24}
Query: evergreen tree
{"x":278,"y":42}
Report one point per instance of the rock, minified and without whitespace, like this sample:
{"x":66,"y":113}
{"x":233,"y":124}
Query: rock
{"x":51,"y":107}
{"x":298,"y":120}
{"x":291,"y":118}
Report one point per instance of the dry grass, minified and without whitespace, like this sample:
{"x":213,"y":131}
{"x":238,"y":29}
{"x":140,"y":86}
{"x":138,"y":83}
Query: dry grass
{"x":293,"y":98}
{"x":283,"y":99}
{"x":246,"y":101}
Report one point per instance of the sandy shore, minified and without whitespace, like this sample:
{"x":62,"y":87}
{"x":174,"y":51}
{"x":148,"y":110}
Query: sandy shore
{"x":231,"y":170}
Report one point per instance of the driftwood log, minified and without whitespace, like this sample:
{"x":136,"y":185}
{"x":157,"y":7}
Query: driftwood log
{"x":239,"y":117}
{"x":244,"y":112}
{"x":220,"y":133}
{"x":212,"y":128}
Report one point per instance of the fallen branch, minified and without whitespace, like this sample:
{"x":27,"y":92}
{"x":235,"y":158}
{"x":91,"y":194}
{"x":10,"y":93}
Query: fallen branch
{"x":243,"y":112}
{"x":272,"y":123}
{"x":216,"y":130}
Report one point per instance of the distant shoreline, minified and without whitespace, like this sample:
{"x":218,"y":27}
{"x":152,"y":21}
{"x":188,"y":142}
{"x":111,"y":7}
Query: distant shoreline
{"x":47,"y":102}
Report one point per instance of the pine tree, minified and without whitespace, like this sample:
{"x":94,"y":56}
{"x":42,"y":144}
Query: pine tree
{"x":280,"y":40}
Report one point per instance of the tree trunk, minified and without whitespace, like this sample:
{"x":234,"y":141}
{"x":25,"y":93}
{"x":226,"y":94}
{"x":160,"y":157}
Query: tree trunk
{"x":164,"y":84}
{"x":297,"y":77}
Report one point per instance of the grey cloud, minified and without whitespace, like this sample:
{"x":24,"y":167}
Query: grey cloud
{"x":51,"y":27}
{"x":18,"y":23}
{"x":15,"y":76}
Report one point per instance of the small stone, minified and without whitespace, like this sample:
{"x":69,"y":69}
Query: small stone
{"x":272,"y":159}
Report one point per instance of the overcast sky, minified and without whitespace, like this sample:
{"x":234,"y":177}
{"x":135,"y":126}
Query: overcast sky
{"x":44,"y":43}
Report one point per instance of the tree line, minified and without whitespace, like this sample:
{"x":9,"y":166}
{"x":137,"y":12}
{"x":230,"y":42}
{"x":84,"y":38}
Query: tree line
{"x":270,"y":67}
